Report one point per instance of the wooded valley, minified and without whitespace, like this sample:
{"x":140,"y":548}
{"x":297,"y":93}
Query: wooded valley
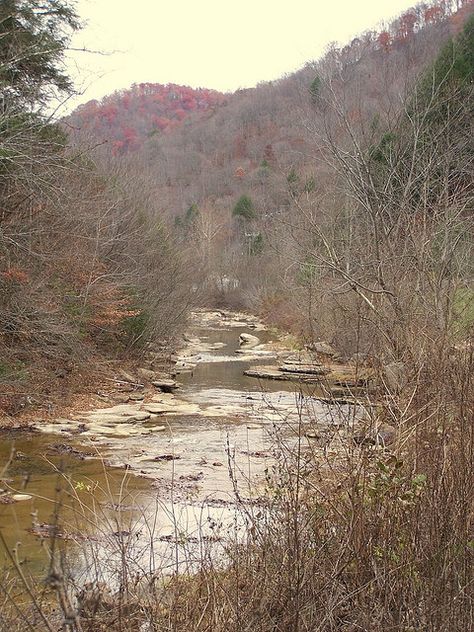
{"x":336,"y":205}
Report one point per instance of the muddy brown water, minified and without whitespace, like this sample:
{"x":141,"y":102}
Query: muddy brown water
{"x":121,"y":494}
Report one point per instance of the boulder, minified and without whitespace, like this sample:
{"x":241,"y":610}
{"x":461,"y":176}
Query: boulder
{"x":20,"y":497}
{"x":382,"y":435}
{"x":300,"y":357}
{"x":248,"y":340}
{"x":128,"y":377}
{"x":322,"y":348}
{"x":386,"y":434}
{"x":394,"y":376}
{"x":146,"y":374}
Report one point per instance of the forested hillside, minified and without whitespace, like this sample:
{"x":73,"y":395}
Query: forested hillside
{"x":240,"y":181}
{"x":86,"y":262}
{"x":126,"y":119}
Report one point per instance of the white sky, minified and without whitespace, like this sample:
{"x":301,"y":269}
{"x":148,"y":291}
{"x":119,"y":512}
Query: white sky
{"x":211,"y":43}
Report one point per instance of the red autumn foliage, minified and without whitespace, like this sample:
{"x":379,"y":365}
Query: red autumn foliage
{"x":457,"y":19}
{"x":240,"y":147}
{"x":109,"y":307}
{"x":15,"y":275}
{"x":128,"y":117}
{"x":384,"y":39}
{"x":433,"y":14}
{"x":407,"y":24}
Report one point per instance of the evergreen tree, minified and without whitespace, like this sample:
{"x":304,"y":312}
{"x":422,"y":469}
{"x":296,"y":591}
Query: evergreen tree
{"x":33,"y":38}
{"x":244,"y":208}
{"x":315,"y":89}
{"x":34,"y":35}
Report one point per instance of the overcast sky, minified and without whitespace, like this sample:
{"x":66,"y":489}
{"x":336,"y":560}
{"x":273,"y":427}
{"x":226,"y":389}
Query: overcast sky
{"x":210,"y":43}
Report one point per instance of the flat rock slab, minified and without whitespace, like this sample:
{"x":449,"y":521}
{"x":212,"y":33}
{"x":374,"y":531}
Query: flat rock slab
{"x":332,"y":389}
{"x":299,"y":357}
{"x":136,"y":397}
{"x":225,"y":319}
{"x":266,"y":373}
{"x":159,"y":409}
{"x":142,"y":416}
{"x":120,"y":410}
{"x":260,"y":350}
{"x":275,"y":373}
{"x":173,"y":407}
{"x":167,"y":386}
{"x":124,"y":420}
{"x":310,"y":369}
{"x":340,"y":401}
{"x":341,"y":376}
{"x":62,"y":427}
{"x":122,"y":431}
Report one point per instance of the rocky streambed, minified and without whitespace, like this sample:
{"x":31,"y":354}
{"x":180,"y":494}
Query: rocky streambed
{"x":180,"y":452}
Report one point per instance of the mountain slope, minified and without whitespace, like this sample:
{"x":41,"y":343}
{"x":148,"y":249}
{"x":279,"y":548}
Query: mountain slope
{"x":270,"y":145}
{"x":127,"y":117}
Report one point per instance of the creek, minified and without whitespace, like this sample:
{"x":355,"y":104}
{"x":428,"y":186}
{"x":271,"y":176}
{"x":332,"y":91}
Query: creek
{"x":159,"y":498}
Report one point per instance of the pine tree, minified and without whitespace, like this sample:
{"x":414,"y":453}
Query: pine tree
{"x":244,"y":208}
{"x":315,"y":89}
{"x":33,"y":38}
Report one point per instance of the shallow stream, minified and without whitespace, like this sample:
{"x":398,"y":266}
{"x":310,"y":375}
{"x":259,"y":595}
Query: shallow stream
{"x":162,"y":496}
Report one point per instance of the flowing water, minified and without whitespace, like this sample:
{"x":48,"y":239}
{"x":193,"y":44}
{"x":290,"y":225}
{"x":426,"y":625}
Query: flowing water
{"x":163,"y":496}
